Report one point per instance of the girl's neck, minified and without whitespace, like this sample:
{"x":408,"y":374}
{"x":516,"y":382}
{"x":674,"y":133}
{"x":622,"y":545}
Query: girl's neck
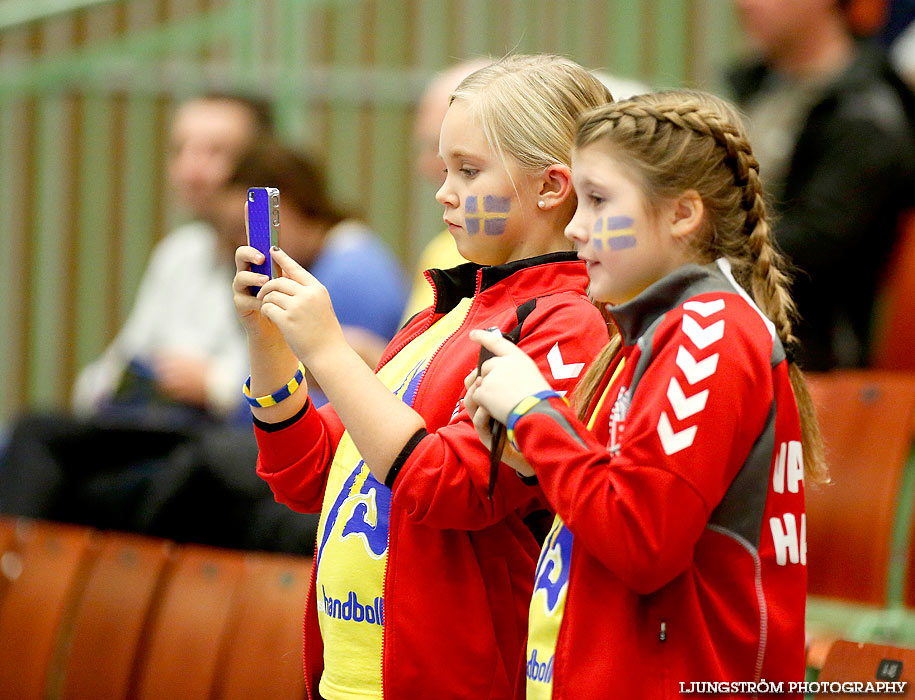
{"x":544,"y":235}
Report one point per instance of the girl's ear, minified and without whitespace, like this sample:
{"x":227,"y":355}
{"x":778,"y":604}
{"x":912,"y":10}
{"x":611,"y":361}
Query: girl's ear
{"x":686,"y":214}
{"x":555,"y":187}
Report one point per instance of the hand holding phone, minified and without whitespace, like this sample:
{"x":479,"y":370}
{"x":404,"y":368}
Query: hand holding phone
{"x":263,"y":225}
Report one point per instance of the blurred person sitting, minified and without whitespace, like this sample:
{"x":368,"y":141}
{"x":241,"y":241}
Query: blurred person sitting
{"x":180,"y":355}
{"x":832,"y":126}
{"x":196,"y":482}
{"x":364,"y":280}
{"x":174,"y":367}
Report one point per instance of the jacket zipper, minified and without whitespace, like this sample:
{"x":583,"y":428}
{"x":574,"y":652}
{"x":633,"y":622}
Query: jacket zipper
{"x":426,"y":326}
{"x":391,"y":528}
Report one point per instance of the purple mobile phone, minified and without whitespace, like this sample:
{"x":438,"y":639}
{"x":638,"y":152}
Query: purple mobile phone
{"x":264,"y":227}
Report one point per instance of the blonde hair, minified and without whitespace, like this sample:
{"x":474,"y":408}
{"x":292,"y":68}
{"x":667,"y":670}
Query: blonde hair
{"x":527,"y":106}
{"x":683,"y":140}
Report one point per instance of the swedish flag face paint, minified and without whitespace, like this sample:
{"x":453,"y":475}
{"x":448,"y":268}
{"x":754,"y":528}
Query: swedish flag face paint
{"x":490,"y":218}
{"x":624,"y":243}
{"x":613,"y":233}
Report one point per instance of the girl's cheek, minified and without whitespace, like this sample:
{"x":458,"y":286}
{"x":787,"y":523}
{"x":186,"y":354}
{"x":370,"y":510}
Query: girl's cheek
{"x":613,"y":233}
{"x":487,"y":215}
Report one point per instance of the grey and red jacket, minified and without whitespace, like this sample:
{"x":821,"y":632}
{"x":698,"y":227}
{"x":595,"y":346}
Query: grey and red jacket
{"x":460,"y":567}
{"x":685,"y":503}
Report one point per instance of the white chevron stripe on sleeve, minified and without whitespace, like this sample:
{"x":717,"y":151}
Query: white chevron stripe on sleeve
{"x":702,"y":337}
{"x":696,"y":371}
{"x":684,"y":406}
{"x":674,"y":442}
{"x":559,"y":368}
{"x":705,"y":308}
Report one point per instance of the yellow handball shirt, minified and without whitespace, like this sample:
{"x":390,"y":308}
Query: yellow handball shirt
{"x":353,"y":540}
{"x":548,"y":601}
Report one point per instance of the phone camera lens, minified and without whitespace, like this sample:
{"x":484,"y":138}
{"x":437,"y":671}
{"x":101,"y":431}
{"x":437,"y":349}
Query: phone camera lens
{"x":250,"y":196}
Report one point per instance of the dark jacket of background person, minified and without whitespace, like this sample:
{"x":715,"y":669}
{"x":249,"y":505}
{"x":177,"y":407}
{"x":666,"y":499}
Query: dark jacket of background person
{"x":850,"y":175}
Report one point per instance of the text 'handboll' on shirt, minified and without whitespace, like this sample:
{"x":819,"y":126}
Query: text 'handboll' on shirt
{"x":551,"y":583}
{"x":353,"y":540}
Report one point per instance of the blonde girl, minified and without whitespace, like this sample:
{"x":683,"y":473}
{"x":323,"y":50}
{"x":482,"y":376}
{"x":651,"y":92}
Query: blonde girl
{"x":678,"y":552}
{"x":421,"y":582}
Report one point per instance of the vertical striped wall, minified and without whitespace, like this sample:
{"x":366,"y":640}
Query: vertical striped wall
{"x":87,"y":87}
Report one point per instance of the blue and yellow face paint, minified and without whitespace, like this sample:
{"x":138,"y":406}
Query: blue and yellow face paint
{"x":613,"y":233}
{"x":490,"y":219}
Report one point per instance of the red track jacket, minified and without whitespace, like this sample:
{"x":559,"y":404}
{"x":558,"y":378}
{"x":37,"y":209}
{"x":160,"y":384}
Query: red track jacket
{"x":686,"y":504}
{"x":460,"y":568}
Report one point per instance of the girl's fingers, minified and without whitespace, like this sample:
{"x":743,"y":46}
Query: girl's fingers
{"x":246,"y":255}
{"x":291,"y":268}
{"x":284,"y":285}
{"x":245,"y":279}
{"x":493,"y":341}
{"x":277,"y":299}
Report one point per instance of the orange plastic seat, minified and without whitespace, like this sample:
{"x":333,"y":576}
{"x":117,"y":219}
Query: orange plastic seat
{"x":851,"y":662}
{"x":46,"y":570}
{"x":262,"y":659}
{"x":111,"y":617}
{"x":894,"y":336}
{"x":866,"y":418}
{"x":188,"y":628}
{"x":7,"y":535}
{"x":910,"y":580}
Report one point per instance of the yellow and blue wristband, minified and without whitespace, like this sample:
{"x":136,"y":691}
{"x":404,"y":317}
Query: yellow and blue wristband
{"x":522,"y":407}
{"x":281,"y":394}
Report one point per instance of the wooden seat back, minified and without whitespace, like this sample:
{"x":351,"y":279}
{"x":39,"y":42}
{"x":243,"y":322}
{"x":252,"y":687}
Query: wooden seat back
{"x":266,"y":631}
{"x":866,"y":419}
{"x":893,"y":345}
{"x":46,"y":568}
{"x":112,"y":615}
{"x":853,"y":662}
{"x":188,"y":628}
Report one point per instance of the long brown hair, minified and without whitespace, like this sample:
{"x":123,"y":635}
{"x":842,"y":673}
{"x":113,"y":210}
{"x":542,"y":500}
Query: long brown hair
{"x":683,"y":140}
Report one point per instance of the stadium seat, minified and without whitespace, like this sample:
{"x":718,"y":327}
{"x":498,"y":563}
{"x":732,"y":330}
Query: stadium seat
{"x":866,"y":418}
{"x":7,"y":534}
{"x":266,"y":631}
{"x":49,"y":571}
{"x":189,"y":626}
{"x":893,"y":345}
{"x":910,"y":576}
{"x":857,"y":662}
{"x":111,"y":616}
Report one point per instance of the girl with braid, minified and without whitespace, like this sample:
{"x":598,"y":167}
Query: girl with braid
{"x":677,"y":556}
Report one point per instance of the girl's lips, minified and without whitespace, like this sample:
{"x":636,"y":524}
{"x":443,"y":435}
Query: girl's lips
{"x":453,"y":227}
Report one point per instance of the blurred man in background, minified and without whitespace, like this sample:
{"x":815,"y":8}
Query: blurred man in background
{"x":832,"y":126}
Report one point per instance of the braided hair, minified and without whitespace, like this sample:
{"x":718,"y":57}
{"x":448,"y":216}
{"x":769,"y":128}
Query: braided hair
{"x":675,"y":141}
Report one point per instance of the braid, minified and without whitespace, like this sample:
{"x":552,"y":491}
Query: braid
{"x":683,"y":140}
{"x":757,"y":262}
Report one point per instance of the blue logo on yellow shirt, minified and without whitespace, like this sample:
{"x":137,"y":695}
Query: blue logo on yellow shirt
{"x":366,"y":509}
{"x":553,"y":568}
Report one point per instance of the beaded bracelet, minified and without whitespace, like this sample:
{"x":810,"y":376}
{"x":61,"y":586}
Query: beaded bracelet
{"x":284,"y":392}
{"x":522,"y":407}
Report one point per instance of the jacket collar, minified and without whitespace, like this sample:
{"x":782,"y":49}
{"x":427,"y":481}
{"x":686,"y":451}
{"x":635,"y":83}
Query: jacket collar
{"x":470,"y":279}
{"x":636,"y":316}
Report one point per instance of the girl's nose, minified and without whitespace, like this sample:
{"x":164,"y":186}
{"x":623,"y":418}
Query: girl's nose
{"x":446,"y":195}
{"x":576,"y":231}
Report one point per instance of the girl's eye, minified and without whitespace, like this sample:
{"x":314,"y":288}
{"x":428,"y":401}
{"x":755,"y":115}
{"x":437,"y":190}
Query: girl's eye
{"x":469,"y":172}
{"x":596,"y":200}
